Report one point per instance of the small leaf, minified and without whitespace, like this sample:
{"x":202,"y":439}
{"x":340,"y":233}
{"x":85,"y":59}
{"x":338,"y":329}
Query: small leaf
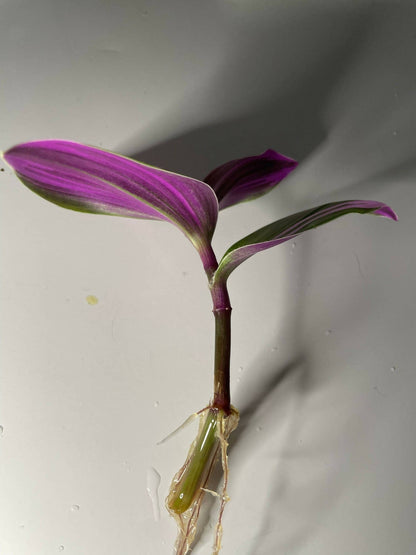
{"x":89,"y":179}
{"x":291,"y":226}
{"x":248,"y":178}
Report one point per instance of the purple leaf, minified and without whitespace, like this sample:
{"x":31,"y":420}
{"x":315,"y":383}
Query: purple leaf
{"x":291,"y":226}
{"x":90,"y":179}
{"x":248,"y":178}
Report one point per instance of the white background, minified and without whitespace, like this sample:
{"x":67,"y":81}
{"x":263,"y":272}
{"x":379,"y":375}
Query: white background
{"x":323,"y":328}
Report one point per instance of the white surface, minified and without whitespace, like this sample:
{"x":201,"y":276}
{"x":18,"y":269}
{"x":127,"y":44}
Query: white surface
{"x":323,"y":347}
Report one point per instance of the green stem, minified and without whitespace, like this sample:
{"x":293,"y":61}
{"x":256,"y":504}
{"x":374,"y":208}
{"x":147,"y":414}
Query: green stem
{"x":197,"y":466}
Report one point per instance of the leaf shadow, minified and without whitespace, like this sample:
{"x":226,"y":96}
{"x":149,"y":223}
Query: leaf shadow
{"x":288,"y":116}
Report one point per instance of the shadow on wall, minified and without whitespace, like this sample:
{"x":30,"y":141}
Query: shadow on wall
{"x":275,"y":82}
{"x":283,"y":77}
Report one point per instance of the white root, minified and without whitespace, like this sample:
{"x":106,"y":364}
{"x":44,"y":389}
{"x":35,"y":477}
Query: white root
{"x":187,"y":520}
{"x":227,"y":425}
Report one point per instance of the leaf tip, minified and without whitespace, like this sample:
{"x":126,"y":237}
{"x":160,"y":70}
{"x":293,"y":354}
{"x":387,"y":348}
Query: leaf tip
{"x":387,"y":212}
{"x":3,"y":155}
{"x":6,"y":155}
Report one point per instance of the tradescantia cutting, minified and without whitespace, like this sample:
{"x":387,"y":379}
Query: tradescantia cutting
{"x":89,"y":179}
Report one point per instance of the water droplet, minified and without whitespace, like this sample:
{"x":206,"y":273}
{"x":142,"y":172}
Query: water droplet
{"x":127,"y":466}
{"x":74,"y":508}
{"x":240,"y":369}
{"x":328,"y":332}
{"x":1,"y":430}
{"x":156,"y":404}
{"x":91,"y":300}
{"x":259,"y":428}
{"x":238,"y":380}
{"x":61,"y":547}
{"x":395,"y":132}
{"x":152,"y":488}
{"x":393,"y":369}
{"x":274,"y":349}
{"x":293,"y":245}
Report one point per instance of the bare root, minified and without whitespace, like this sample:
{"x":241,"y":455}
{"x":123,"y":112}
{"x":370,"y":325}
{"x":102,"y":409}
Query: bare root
{"x":186,"y":520}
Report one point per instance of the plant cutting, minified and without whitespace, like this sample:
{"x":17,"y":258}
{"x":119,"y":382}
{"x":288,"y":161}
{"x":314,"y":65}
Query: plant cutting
{"x":90,"y":179}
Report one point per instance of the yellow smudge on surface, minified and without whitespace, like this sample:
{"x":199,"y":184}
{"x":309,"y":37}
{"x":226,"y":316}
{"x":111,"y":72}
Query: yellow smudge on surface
{"x":92,"y":300}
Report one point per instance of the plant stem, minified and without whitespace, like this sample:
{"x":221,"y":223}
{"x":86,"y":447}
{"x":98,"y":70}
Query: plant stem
{"x":221,"y":398}
{"x":197,"y":467}
{"x":222,"y":315}
{"x":216,"y":423}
